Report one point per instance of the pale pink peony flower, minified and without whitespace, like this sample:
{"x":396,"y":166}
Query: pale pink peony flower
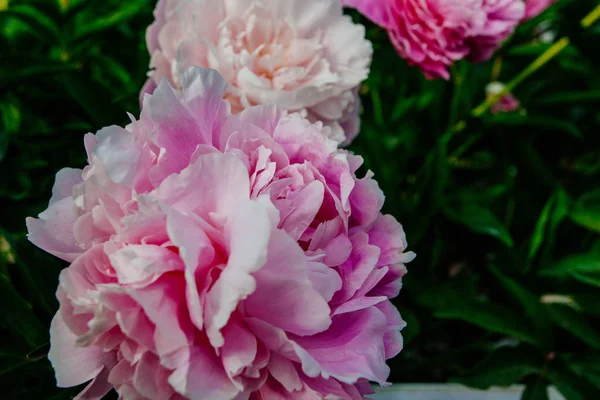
{"x":302,"y":55}
{"x":217,"y":256}
{"x":533,"y":8}
{"x":433,"y":34}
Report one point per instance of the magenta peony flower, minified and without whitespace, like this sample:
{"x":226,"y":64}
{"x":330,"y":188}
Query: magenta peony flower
{"x":221,"y":257}
{"x":302,"y":55}
{"x":533,"y":8}
{"x":433,"y":34}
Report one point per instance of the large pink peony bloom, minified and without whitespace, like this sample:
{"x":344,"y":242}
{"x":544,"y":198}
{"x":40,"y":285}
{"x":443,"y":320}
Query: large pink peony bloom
{"x":433,"y":34}
{"x":533,"y":8}
{"x":302,"y":55}
{"x":221,"y":257}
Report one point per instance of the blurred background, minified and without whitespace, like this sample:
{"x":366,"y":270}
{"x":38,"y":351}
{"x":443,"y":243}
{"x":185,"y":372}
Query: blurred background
{"x":503,"y":209}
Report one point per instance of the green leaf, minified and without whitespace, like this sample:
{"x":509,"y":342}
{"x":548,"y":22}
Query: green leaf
{"x":445,"y":294}
{"x":490,"y":317}
{"x":17,"y":316}
{"x":586,"y":211}
{"x":587,"y":164}
{"x":573,"y":322}
{"x":21,"y":67}
{"x":569,"y":384}
{"x":39,"y":271}
{"x":579,"y":263}
{"x":590,"y":278}
{"x":44,"y":26}
{"x":576,"y":97}
{"x":545,"y":122}
{"x":480,"y":220}
{"x":505,"y":367}
{"x":534,"y":309}
{"x":536,"y":391}
{"x":93,"y":99}
{"x":540,"y":228}
{"x":89,"y":22}
{"x":412,"y":329}
{"x":586,"y":365}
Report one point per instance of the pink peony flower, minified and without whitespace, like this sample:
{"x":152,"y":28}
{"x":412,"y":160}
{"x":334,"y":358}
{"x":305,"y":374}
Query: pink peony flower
{"x":217,"y":256}
{"x":507,"y":103}
{"x":433,"y":34}
{"x":533,"y":8}
{"x":302,"y":55}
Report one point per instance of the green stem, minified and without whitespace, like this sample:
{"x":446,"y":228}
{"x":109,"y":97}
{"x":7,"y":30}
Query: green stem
{"x":548,"y":55}
{"x":458,"y":79}
{"x":592,"y":17}
{"x":533,"y":67}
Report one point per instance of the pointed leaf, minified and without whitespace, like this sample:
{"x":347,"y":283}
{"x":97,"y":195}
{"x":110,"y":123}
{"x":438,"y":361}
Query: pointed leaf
{"x":505,"y":367}
{"x":586,"y":211}
{"x":480,"y":220}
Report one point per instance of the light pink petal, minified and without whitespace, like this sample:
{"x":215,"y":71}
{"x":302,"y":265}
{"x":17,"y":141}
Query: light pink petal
{"x":97,"y":388}
{"x":392,"y":339}
{"x":325,"y":280}
{"x":284,"y":372}
{"x":249,"y":231}
{"x":53,"y":231}
{"x":366,"y":199}
{"x":240,"y":348}
{"x":305,"y":204}
{"x":355,"y":270}
{"x":150,"y":378}
{"x":352,"y":347}
{"x":203,"y":96}
{"x":65,"y":179}
{"x":299,"y":308}
{"x":73,"y":365}
{"x":215,"y":183}
{"x":196,"y":250}
{"x":203,"y":377}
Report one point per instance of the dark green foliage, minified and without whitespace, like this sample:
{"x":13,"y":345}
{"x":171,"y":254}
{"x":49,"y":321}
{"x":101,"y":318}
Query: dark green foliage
{"x":502,"y":210}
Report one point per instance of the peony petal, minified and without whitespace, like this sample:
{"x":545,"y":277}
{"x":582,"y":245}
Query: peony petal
{"x":215,"y":184}
{"x":53,"y":231}
{"x":299,"y":308}
{"x":249,"y":231}
{"x":351,"y":348}
{"x":202,"y":378}
{"x":73,"y":365}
